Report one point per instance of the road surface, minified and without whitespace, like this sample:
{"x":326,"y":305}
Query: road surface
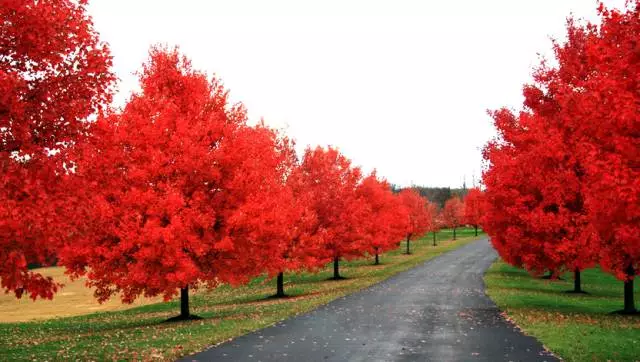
{"x":437,"y":311}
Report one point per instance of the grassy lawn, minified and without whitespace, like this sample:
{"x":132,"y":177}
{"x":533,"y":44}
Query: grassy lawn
{"x":139,"y":334}
{"x":577,"y":327}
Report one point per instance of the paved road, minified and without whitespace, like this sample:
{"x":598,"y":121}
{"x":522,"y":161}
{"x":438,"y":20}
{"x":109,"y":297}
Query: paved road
{"x":437,"y":311}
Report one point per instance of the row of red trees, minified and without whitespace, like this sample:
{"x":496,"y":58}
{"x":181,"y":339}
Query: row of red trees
{"x":173,"y":191}
{"x":455,"y":213}
{"x":563,"y":183}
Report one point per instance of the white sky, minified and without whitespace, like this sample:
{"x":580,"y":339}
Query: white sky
{"x":401,"y":86}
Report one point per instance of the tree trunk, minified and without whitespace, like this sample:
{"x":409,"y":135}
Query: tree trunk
{"x":377,"y":260}
{"x":577,"y":286}
{"x":408,"y":250}
{"x":336,"y":271}
{"x":184,"y":303}
{"x":185,"y":314}
{"x":454,"y":233}
{"x":434,"y":238}
{"x":280,"y":286}
{"x":476,"y":227}
{"x":629,"y":303}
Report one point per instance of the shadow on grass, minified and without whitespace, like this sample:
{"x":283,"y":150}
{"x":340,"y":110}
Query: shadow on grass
{"x":579,"y":292}
{"x":180,"y":318}
{"x":626,"y":313}
{"x":338,"y":278}
{"x":544,"y":286}
{"x":590,"y":292}
{"x":540,"y":290}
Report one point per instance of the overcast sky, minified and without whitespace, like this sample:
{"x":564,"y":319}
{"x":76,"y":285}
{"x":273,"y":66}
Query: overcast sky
{"x":400,"y":86}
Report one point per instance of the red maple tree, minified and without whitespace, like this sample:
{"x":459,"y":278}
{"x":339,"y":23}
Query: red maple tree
{"x":453,"y":214}
{"x":166,"y":184}
{"x":281,"y":218}
{"x":592,"y":94}
{"x":51,"y":80}
{"x":534,"y":196}
{"x":418,"y":220}
{"x":611,"y":128}
{"x":435,"y":223}
{"x":580,"y":203}
{"x":340,"y":224}
{"x":386,"y":218}
{"x":473,"y":208}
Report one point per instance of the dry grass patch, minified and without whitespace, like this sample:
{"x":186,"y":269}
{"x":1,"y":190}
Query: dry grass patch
{"x":74,"y":299}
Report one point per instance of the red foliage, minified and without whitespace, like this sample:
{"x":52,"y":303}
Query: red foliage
{"x":418,"y":219}
{"x":50,"y":79}
{"x":595,"y":87}
{"x":168,"y":183}
{"x":386,"y":218}
{"x":54,"y":73}
{"x":453,"y":212}
{"x":473,"y":207}
{"x":567,"y":166}
{"x":340,"y":222}
{"x":435,"y":224}
{"x":534,"y":196}
{"x":280,"y":217}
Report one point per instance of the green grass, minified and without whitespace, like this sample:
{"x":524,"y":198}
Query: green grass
{"x":139,"y":334}
{"x":576,"y":327}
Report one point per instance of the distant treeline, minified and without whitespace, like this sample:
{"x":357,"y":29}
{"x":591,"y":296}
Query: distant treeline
{"x":438,"y":195}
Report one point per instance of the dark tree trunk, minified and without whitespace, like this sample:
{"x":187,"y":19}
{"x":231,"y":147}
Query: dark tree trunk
{"x":476,"y":228}
{"x":280,"y":286}
{"x":434,"y":238}
{"x":629,"y":303}
{"x":454,"y":233}
{"x":377,"y":259}
{"x":336,"y":270}
{"x":577,"y":285}
{"x":408,"y":242}
{"x":184,"y":303}
{"x":185,"y":313}
{"x":577,"y":282}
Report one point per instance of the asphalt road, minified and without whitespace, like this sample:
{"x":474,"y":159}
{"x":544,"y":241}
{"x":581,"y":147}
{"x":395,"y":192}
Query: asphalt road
{"x":437,"y":311}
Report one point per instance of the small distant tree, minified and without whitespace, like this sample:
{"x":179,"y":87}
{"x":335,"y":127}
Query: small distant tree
{"x":473,"y":208}
{"x":385,"y":216}
{"x":453,"y":214}
{"x":418,"y":219}
{"x":434,"y":223}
